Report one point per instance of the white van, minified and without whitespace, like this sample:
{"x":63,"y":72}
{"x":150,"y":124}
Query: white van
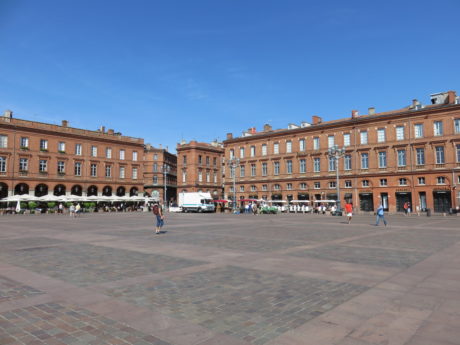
{"x":196,"y":202}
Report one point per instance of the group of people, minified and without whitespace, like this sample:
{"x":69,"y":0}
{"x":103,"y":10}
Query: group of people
{"x":380,"y":213}
{"x":74,"y":210}
{"x":251,"y":208}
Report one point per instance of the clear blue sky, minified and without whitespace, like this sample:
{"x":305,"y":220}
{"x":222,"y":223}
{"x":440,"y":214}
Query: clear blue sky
{"x":167,"y":70}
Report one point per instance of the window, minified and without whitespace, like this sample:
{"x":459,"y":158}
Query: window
{"x":365,"y":183}
{"x":317,"y":185}
{"x":42,"y":165}
{"x":215,"y":177}
{"x":440,"y":180}
{"x":60,"y":167}
{"x":155,"y":179}
{"x":302,"y":145}
{"x":232,"y":171}
{"x":241,"y":188}
{"x":316,"y":143}
{"x":346,"y":139}
{"x":440,"y":155}
{"x":134,"y":174}
{"x":289,"y":166}
{"x":207,"y":161}
{"x":438,"y":130}
{"x":303,"y":185}
{"x":200,"y":159}
{"x":253,"y":151}
{"x":184,"y":160}
{"x":383,"y":182}
{"x":61,"y":146}
{"x":3,"y":141}
{"x":364,"y":161}
{"x":381,"y":135}
{"x":276,"y":187}
{"x":330,"y":141}
{"x":77,"y":169}
{"x":421,"y":180}
{"x":155,"y":157}
{"x":399,"y":132}
{"x":458,"y":153}
{"x":23,"y":164}
{"x":264,"y":149}
{"x":382,"y":159}
{"x":289,"y":186}
{"x":303,"y":166}
{"x":214,"y":161}
{"x":316,"y":165}
{"x":108,"y":171}
{"x":288,"y":146}
{"x":93,"y":151}
{"x":363,"y":137}
{"x":403,"y":181}
{"x":276,"y":148}
{"x":122,"y":172}
{"x":43,"y":145}
{"x":264,"y":169}
{"x":93,"y":170}
{"x":348,"y":184}
{"x":241,"y":152}
{"x":78,"y":149}
{"x":2,"y":164}
{"x":401,"y":158}
{"x":264,"y":187}
{"x":242,"y":170}
{"x":253,"y":188}
{"x":134,"y":155}
{"x":418,"y":129}
{"x":155,"y":167}
{"x":347,"y":162}
{"x":24,"y":142}
{"x":253,"y":170}
{"x":420,"y":156}
{"x":108,"y":152}
{"x":276,"y":168}
{"x":332,"y":184}
{"x":122,"y":154}
{"x":208,"y":176}
{"x":457,"y":126}
{"x":331,"y":163}
{"x":184,"y":176}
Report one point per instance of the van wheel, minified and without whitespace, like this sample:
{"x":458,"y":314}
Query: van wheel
{"x":199,"y":210}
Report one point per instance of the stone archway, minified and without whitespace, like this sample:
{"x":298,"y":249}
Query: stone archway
{"x":76,"y":190}
{"x":59,"y":190}
{"x":133,"y":191}
{"x":107,"y":191}
{"x":21,"y":188}
{"x":3,"y":190}
{"x":41,"y":190}
{"x":121,"y":191}
{"x":92,"y":190}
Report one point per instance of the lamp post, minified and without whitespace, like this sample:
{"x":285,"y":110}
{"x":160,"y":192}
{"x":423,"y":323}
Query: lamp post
{"x":165,"y":169}
{"x":336,"y":153}
{"x":234,"y":162}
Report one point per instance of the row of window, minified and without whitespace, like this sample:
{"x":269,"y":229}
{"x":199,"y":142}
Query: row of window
{"x":200,"y":160}
{"x":61,"y":168}
{"x":438,"y":130}
{"x":440,"y":180}
{"x":347,"y":162}
{"x":200,"y":176}
{"x":61,"y":147}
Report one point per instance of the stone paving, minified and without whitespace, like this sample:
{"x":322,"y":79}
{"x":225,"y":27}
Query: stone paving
{"x":229,"y":279}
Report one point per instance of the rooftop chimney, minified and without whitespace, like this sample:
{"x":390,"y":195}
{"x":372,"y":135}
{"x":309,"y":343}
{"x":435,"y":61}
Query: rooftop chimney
{"x":451,"y":97}
{"x":371,"y":111}
{"x":267,"y":128}
{"x":65,"y":123}
{"x":110,"y":131}
{"x":102,"y":129}
{"x":229,"y":136}
{"x":415,"y":103}
{"x":8,"y":114}
{"x":316,"y":119}
{"x":354,"y":114}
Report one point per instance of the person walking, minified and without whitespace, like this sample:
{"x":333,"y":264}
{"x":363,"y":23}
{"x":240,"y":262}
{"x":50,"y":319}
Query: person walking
{"x":72,"y":210}
{"x":77,"y":210}
{"x":406,"y":208}
{"x":349,"y":211}
{"x":158,"y":212}
{"x":380,"y":216}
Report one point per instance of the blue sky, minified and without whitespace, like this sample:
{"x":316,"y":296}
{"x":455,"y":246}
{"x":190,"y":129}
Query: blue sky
{"x":172,"y":70}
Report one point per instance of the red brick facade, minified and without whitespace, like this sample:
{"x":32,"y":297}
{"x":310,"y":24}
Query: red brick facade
{"x":412,"y":154}
{"x":38,"y":158}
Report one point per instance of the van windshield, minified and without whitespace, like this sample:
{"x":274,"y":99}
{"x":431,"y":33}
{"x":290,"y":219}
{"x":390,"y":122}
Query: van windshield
{"x":206,"y":201}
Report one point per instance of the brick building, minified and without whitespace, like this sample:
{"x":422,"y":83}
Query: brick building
{"x":160,"y":168}
{"x":411,"y":154}
{"x":39,"y":158}
{"x":199,"y":167}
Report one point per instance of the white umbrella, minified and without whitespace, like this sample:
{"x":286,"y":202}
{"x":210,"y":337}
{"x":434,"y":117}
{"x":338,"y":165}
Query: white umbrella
{"x":23,"y":197}
{"x":49,"y":197}
{"x":18,"y":206}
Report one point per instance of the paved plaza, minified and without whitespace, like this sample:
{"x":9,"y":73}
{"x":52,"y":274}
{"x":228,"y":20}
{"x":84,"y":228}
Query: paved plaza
{"x":222,"y":279}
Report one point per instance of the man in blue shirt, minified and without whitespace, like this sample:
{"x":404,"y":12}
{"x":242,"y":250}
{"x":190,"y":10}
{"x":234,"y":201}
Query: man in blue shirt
{"x":380,"y":215}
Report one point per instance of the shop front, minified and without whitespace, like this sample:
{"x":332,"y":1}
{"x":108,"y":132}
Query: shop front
{"x":366,"y":202}
{"x":401,"y":199}
{"x":442,"y":201}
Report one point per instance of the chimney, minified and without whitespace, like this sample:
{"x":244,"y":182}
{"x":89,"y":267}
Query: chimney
{"x":110,"y":131}
{"x":8,"y":114}
{"x":415,"y":103}
{"x":354,"y":114}
{"x":316,"y":120}
{"x":65,"y":123}
{"x":229,"y":136}
{"x":371,"y":111}
{"x":161,"y":147}
{"x":451,"y":97}
{"x":267,"y":128}
{"x":102,"y":129}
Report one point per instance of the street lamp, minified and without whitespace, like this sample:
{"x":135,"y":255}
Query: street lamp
{"x":165,"y":168}
{"x":234,"y":162}
{"x":336,"y":153}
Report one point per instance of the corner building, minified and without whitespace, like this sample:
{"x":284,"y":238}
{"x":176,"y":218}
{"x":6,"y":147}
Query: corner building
{"x":199,"y":167}
{"x":39,"y":159}
{"x":411,"y":154}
